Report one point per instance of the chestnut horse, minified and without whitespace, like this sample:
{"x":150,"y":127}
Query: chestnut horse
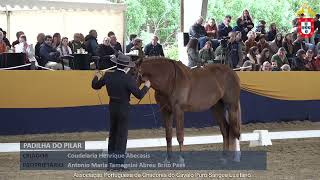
{"x":179,"y":89}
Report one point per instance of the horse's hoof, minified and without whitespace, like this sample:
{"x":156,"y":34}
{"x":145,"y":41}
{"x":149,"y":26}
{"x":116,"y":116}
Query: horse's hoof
{"x":237,"y":156}
{"x":166,"y":161}
{"x":181,"y":160}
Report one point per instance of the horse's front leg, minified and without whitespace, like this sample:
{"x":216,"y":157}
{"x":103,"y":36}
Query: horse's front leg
{"x":168,"y":120}
{"x":180,"y":130}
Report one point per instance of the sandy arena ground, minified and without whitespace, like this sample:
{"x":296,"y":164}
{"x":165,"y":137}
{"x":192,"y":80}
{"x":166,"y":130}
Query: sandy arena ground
{"x":296,"y":159}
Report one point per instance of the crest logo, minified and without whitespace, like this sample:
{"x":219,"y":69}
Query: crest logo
{"x":305,"y":25}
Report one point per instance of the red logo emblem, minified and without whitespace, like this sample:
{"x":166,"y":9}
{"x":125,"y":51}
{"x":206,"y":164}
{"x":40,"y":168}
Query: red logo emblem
{"x":306,"y":27}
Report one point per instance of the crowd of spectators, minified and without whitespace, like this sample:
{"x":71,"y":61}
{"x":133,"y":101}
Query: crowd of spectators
{"x":54,"y":51}
{"x":251,"y":48}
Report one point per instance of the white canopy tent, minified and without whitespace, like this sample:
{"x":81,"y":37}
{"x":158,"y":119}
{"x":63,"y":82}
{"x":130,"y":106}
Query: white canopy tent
{"x":64,"y":16}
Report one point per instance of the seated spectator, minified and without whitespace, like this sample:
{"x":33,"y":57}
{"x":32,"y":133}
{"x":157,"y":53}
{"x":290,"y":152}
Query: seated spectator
{"x":40,"y":40}
{"x":299,"y":44}
{"x":251,"y":41}
{"x":252,"y":55}
{"x":82,"y":39}
{"x":262,"y":44}
{"x":130,"y":45}
{"x":280,"y":58}
{"x":309,"y":60}
{"x":104,"y":51}
{"x":3,"y":46}
{"x":111,"y":33}
{"x":276,"y":44}
{"x":23,"y":46}
{"x":18,"y":34}
{"x":261,"y":28}
{"x":316,"y":63}
{"x":247,"y":66}
{"x":285,"y":67}
{"x":197,"y":30}
{"x":266,"y":66}
{"x":76,"y":44}
{"x":56,"y":40}
{"x":299,"y":62}
{"x":91,"y":42}
{"x":63,"y":48}
{"x":115,"y":44}
{"x":264,"y":56}
{"x":221,"y":52}
{"x":49,"y":55}
{"x":234,"y":52}
{"x":224,"y":28}
{"x":245,"y":24}
{"x":318,"y":48}
{"x":137,"y":46}
{"x":207,"y":53}
{"x":211,"y":29}
{"x":272,"y":32}
{"x":153,"y":48}
{"x":287,"y":43}
{"x":274,"y":66}
{"x":5,"y":39}
{"x":193,"y":53}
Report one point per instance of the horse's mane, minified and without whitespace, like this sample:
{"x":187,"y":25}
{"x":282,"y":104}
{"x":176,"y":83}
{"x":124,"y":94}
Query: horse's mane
{"x":161,"y":59}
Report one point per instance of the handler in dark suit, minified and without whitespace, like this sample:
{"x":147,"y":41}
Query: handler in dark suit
{"x":119,"y":85}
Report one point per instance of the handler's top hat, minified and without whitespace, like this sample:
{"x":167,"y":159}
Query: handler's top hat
{"x":123,"y":60}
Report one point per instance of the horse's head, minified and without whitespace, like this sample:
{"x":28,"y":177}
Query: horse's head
{"x":137,"y":73}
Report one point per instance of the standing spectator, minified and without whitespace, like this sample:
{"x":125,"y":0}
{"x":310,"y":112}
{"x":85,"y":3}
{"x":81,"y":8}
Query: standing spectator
{"x":82,"y":38}
{"x":18,"y":34}
{"x":266,"y":66}
{"x":104,"y":51}
{"x":5,"y":39}
{"x":115,"y":44}
{"x":288,"y":46}
{"x":91,"y":42}
{"x":272,"y":32}
{"x":197,"y":30}
{"x":224,"y":28}
{"x":40,"y":40}
{"x":280,"y":58}
{"x":153,"y":48}
{"x":137,"y":46}
{"x":211,"y":29}
{"x":261,"y":28}
{"x":264,"y":56}
{"x":193,"y":53}
{"x":56,"y":40}
{"x":3,"y":46}
{"x":234,"y":52}
{"x":241,"y":43}
{"x":299,"y":44}
{"x":276,"y":44}
{"x":299,"y":61}
{"x":262,"y":44}
{"x":251,"y":42}
{"x":245,"y":24}
{"x":111,"y":33}
{"x":49,"y":55}
{"x":207,"y":53}
{"x":317,"y":29}
{"x":76,"y":43}
{"x":130,"y":45}
{"x":318,"y":48}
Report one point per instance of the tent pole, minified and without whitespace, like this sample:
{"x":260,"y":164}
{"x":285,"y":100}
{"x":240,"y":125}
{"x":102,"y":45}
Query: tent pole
{"x":8,"y":14}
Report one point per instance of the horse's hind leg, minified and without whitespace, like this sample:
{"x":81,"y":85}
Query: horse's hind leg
{"x":218,"y":112}
{"x":234,"y":131}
